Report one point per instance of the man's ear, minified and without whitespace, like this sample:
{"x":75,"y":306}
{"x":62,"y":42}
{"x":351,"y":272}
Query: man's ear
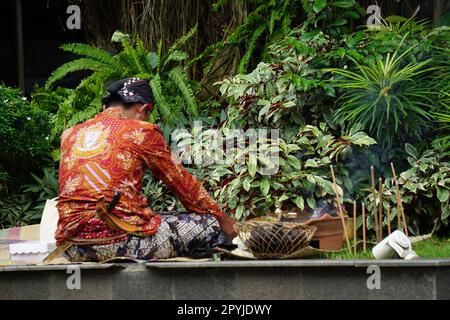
{"x":143,"y":110}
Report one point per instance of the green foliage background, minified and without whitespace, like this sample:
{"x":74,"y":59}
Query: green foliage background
{"x":340,"y":93}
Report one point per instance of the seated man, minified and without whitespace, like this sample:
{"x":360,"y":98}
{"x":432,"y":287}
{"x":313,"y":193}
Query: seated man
{"x":109,"y":155}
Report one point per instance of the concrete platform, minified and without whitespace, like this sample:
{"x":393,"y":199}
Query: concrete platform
{"x":268,"y":279}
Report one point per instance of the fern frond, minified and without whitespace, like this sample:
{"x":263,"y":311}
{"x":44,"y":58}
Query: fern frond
{"x":176,"y":55}
{"x":243,"y":31}
{"x":88,"y":51}
{"x":179,"y":77}
{"x":84,"y":115}
{"x":126,"y":63}
{"x":60,"y":119}
{"x":161,"y":103}
{"x":159,"y":52}
{"x":208,"y":50}
{"x":129,"y":51}
{"x":251,"y":47}
{"x":183,"y":40}
{"x":142,"y":54}
{"x":275,"y":15}
{"x":145,"y":76}
{"x":73,"y":66}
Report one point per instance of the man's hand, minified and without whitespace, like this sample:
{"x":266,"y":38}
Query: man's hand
{"x":226,"y":224}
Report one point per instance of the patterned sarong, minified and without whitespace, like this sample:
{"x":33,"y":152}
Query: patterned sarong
{"x":184,"y":234}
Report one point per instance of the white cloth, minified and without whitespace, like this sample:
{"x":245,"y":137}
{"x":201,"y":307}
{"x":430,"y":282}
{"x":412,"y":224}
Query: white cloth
{"x":49,"y":221}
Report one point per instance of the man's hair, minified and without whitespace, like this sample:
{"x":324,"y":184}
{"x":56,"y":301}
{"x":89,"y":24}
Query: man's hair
{"x":116,"y":100}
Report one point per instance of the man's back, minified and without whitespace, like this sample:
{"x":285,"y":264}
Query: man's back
{"x":111,"y":153}
{"x":99,"y":157}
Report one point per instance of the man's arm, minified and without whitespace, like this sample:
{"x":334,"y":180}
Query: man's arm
{"x":186,"y":187}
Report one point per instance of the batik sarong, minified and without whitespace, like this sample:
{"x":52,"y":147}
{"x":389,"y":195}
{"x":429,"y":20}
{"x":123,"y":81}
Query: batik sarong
{"x":183,"y":234}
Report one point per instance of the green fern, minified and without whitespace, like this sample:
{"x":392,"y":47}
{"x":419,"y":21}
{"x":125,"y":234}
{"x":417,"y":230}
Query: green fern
{"x":251,"y":47}
{"x":88,"y":51}
{"x":183,"y":40}
{"x":162,"y":106}
{"x":160,"y":57}
{"x":273,"y":17}
{"x":134,"y":60}
{"x":268,"y":20}
{"x":175,"y":56}
{"x":135,"y":64}
{"x":180,"y":79}
{"x":73,"y":66}
{"x":143,"y":55}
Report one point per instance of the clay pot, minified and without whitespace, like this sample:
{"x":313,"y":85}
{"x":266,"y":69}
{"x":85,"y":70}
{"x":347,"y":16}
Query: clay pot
{"x":329,"y":232}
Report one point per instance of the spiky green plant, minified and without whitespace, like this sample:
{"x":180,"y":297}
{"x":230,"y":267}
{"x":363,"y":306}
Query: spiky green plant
{"x":444,"y":118}
{"x":389,"y":96}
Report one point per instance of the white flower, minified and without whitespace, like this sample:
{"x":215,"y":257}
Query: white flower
{"x":28,"y":118}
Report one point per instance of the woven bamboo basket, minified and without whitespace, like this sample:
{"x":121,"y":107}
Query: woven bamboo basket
{"x":274,"y":240}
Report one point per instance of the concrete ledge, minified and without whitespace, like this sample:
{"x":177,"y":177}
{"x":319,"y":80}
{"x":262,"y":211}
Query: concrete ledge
{"x":300,"y":263}
{"x":58,"y":267}
{"x":263,"y":279}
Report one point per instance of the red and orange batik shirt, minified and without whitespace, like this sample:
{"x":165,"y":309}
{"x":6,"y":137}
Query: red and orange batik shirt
{"x":111,"y":153}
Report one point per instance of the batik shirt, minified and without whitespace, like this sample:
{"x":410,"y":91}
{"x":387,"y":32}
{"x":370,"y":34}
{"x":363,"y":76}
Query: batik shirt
{"x":111,"y":153}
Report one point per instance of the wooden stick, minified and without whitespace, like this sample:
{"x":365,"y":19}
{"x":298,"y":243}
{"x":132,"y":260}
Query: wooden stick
{"x":399,"y":201}
{"x":354,"y":227}
{"x":338,"y":199}
{"x":380,"y":206}
{"x":364,"y":226}
{"x":389,"y":219}
{"x":399,"y":223}
{"x":375,"y":214}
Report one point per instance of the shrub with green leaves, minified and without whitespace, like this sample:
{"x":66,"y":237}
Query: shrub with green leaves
{"x":159,"y":196}
{"x":288,"y":91}
{"x":425,"y":190}
{"x":299,"y":174}
{"x":24,"y":134}
{"x":18,"y":211}
{"x":43,"y":188}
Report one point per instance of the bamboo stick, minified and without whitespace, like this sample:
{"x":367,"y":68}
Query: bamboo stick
{"x":354,"y":227}
{"x":389,"y":219}
{"x":364,"y":227}
{"x":380,"y":206}
{"x":375,"y":215}
{"x":399,"y":201}
{"x":338,"y":199}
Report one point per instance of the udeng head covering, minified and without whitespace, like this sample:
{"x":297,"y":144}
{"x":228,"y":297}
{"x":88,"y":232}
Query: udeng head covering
{"x":130,"y":90}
